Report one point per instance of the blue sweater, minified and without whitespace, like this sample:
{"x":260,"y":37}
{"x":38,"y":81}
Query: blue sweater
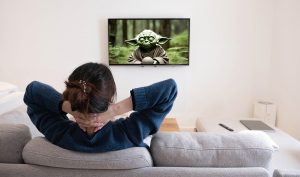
{"x":150,"y":104}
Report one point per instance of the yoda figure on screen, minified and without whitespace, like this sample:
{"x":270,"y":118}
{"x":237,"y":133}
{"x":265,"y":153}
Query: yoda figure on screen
{"x":149,"y":50}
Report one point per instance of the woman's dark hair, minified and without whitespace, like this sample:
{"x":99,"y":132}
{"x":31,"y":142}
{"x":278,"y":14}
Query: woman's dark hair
{"x":90,"y":88}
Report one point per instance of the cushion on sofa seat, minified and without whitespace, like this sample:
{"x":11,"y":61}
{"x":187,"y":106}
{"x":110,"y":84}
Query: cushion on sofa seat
{"x":13,"y":138}
{"x":39,"y":151}
{"x":194,"y":149}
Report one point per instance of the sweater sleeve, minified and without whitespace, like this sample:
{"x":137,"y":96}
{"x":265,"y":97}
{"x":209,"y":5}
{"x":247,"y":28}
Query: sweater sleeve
{"x":42,"y":96}
{"x":157,"y":95}
{"x":151,"y":104}
{"x":43,"y":108}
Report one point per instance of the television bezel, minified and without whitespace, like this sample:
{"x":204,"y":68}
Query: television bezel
{"x":165,"y":18}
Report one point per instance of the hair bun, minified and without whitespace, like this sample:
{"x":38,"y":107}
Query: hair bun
{"x":81,"y":84}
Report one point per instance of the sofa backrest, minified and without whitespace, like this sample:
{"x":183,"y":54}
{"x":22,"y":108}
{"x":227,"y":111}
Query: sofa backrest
{"x":39,"y":151}
{"x":13,"y":138}
{"x":210,"y":150}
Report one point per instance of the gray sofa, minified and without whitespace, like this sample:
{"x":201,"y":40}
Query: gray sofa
{"x":170,"y":154}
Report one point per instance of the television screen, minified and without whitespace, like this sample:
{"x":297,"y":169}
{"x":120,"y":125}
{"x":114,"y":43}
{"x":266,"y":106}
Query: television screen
{"x":148,"y":41}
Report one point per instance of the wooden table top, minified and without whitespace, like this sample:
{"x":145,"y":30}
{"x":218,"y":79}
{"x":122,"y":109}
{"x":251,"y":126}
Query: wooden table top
{"x":169,"y":125}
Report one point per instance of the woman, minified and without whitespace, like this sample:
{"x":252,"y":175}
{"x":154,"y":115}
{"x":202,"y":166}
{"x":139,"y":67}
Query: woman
{"x":88,"y":97}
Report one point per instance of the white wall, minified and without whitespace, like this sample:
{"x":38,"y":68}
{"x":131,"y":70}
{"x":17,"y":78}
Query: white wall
{"x":286,"y":65}
{"x":230,"y":52}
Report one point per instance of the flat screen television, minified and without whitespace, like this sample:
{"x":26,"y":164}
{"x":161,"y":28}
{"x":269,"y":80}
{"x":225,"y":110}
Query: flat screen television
{"x":156,"y":41}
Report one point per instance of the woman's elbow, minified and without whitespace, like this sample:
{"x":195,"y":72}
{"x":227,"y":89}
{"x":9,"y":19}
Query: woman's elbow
{"x":28,"y":92}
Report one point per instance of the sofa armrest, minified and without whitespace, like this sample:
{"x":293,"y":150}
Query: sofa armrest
{"x":286,"y":173}
{"x":13,"y":138}
{"x":186,"y":149}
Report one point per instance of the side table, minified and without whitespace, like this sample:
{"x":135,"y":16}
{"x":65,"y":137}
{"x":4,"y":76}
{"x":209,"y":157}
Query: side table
{"x":170,"y":125}
{"x":288,"y":155}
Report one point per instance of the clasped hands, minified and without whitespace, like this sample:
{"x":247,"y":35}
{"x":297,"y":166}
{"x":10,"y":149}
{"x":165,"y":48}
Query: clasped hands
{"x":91,"y":122}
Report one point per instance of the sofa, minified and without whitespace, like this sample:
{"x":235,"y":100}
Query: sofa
{"x":179,"y":154}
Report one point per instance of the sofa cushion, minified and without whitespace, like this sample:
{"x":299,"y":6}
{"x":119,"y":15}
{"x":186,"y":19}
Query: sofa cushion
{"x":13,"y":138}
{"x":39,"y":151}
{"x":188,"y":149}
{"x":286,"y":173}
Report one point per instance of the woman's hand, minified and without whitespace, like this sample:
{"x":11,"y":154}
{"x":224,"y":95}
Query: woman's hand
{"x":113,"y":110}
{"x":96,"y":120}
{"x":86,"y":122}
{"x":91,"y":122}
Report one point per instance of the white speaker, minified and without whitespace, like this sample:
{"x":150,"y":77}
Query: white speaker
{"x":265,"y":111}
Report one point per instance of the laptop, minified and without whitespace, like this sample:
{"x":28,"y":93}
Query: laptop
{"x":256,"y":125}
